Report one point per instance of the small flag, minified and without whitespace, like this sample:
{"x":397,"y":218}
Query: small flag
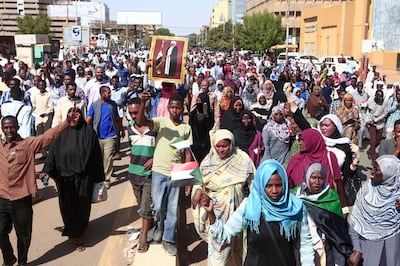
{"x":184,"y":174}
{"x":180,"y":143}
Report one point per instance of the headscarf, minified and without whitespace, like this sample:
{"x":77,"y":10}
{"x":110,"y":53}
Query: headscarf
{"x":337,"y":137}
{"x":235,"y":166}
{"x":75,"y":151}
{"x":231,"y":120}
{"x":269,"y":94}
{"x":326,"y":199}
{"x":315,"y":151}
{"x":244,"y":136}
{"x":280,"y":130}
{"x":257,"y":104}
{"x":287,"y":210}
{"x":297,"y":100}
{"x":374,"y":214}
{"x":225,"y":101}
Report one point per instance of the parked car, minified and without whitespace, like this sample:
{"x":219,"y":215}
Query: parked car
{"x":342,"y":63}
{"x":303,"y":60}
{"x":281,"y":59}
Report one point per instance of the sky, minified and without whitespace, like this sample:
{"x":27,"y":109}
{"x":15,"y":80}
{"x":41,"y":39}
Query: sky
{"x":181,"y":17}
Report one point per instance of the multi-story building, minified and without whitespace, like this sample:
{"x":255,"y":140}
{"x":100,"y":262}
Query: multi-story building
{"x":294,"y":9}
{"x":228,"y":10}
{"x":342,"y":28}
{"x":220,"y":13}
{"x":11,"y":9}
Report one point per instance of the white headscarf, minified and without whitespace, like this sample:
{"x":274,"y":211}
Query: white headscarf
{"x":330,"y":142}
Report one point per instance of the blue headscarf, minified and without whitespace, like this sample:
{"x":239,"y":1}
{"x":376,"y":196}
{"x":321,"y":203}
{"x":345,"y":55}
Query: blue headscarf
{"x":287,"y":210}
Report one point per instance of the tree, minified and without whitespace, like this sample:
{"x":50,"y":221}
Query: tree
{"x":163,"y":32}
{"x":220,"y":38}
{"x":259,"y":32}
{"x":29,"y":25}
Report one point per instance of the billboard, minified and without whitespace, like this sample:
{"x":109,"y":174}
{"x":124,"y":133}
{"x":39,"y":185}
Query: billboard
{"x":385,"y":28}
{"x":139,"y":18}
{"x":70,"y":38}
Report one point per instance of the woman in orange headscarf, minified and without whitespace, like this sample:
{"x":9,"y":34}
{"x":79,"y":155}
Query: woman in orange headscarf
{"x":349,"y":115}
{"x":225,"y":101}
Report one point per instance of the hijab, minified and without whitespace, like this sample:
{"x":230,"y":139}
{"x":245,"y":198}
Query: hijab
{"x":258,"y":104}
{"x":315,"y":151}
{"x":374,"y":214}
{"x":232,"y":169}
{"x":280,"y":130}
{"x":337,"y":139}
{"x":287,"y":210}
{"x":231,"y":120}
{"x":326,"y":198}
{"x":74,"y":152}
{"x":244,"y":135}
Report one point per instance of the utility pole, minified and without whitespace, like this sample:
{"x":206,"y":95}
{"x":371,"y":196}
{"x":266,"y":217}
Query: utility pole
{"x":287,"y":30}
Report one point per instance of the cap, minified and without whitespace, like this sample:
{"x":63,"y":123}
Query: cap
{"x":136,"y":76}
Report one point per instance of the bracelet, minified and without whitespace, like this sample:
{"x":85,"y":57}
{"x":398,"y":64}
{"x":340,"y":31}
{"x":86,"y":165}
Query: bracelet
{"x":346,"y":210}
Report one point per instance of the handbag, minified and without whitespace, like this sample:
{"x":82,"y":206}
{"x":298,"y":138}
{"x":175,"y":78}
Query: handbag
{"x":99,"y":192}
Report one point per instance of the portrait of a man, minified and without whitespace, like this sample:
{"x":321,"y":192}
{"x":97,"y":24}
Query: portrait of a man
{"x":168,"y":58}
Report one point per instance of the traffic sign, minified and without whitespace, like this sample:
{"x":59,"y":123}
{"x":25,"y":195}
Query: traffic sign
{"x":76,"y":33}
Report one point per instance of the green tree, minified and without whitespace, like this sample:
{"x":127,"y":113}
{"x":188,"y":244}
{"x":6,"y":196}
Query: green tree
{"x":259,"y":32}
{"x":219,"y":38}
{"x":29,"y":25}
{"x":163,"y":32}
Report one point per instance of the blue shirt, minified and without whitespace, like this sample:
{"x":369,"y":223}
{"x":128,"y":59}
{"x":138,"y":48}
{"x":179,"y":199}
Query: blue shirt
{"x":106,"y":129}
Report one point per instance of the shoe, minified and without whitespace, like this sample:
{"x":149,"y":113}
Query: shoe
{"x":11,"y":263}
{"x":157,"y":235}
{"x":169,"y":247}
{"x":107,"y":184}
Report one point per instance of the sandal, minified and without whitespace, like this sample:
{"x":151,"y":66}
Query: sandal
{"x":143,"y":248}
{"x":79,"y":244}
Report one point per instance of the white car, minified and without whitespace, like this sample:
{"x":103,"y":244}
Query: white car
{"x":342,"y":63}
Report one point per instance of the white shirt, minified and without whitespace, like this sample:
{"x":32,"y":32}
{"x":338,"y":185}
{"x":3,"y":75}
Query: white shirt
{"x":24,"y":117}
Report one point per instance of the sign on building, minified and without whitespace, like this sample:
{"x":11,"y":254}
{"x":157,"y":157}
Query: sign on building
{"x":76,"y":33}
{"x":71,"y":38}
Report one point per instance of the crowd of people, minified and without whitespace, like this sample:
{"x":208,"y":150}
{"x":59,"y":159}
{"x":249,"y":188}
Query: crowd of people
{"x":277,"y":146}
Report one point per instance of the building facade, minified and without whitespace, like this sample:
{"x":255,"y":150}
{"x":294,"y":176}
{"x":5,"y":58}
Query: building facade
{"x":341,"y":28}
{"x":220,"y":13}
{"x":294,"y":9}
{"x":10,"y":10}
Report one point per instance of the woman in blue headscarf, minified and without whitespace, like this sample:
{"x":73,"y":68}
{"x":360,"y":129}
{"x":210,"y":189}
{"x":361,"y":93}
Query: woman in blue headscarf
{"x":275,"y":221}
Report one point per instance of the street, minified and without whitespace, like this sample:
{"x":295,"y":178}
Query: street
{"x":107,"y":239}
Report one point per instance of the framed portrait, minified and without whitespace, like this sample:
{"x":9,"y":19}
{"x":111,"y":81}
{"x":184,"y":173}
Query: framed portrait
{"x":167,"y":56}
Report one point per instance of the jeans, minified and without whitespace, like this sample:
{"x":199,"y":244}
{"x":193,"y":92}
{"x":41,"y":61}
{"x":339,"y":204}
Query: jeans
{"x":18,"y":213}
{"x":107,"y":147}
{"x":165,"y":204}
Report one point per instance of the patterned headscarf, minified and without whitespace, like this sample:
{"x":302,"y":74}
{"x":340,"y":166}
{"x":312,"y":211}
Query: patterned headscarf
{"x":280,"y":130}
{"x":374,"y":214}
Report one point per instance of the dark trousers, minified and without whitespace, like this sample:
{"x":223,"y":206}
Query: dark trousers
{"x":18,"y":213}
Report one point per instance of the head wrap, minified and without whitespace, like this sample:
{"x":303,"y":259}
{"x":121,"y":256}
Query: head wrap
{"x":280,"y":130}
{"x":287,"y":210}
{"x":374,"y":214}
{"x":336,"y":138}
{"x":315,"y":151}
